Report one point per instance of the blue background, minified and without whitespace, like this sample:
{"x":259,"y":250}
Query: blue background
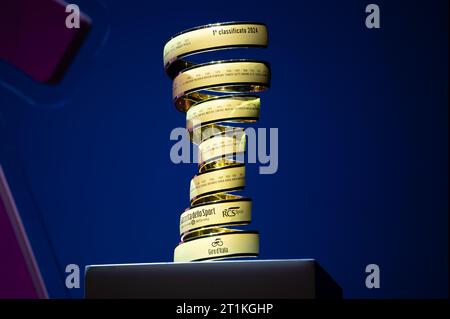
{"x":363,"y":154}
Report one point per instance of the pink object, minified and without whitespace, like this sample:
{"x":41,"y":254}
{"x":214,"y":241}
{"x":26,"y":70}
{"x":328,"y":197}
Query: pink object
{"x":19,"y":273}
{"x":34,"y":37}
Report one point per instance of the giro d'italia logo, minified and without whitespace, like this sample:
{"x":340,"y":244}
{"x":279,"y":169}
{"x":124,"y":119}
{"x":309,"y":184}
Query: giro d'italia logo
{"x":217,"y":242}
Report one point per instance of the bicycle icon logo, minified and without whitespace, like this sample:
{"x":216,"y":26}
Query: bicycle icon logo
{"x":217,"y":242}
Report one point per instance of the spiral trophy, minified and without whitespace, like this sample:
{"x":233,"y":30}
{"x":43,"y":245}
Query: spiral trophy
{"x":214,"y":94}
{"x":217,"y":98}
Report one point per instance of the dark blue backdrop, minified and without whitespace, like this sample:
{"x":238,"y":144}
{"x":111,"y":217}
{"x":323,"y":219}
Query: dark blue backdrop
{"x":363,"y":124}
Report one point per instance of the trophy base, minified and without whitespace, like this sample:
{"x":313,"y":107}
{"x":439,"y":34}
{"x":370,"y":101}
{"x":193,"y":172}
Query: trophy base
{"x":250,"y":279}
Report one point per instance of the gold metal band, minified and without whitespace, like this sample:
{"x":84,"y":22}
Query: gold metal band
{"x":241,"y":108}
{"x":219,"y":214}
{"x":218,"y":246}
{"x":221,"y":146}
{"x":212,"y":37}
{"x":235,"y":76}
{"x":217,"y":181}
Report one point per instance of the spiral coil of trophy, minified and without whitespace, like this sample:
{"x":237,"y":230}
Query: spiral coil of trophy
{"x":213,"y":95}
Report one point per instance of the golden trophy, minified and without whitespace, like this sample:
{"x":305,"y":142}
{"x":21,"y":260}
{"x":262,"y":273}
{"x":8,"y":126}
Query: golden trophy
{"x":214,"y":94}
